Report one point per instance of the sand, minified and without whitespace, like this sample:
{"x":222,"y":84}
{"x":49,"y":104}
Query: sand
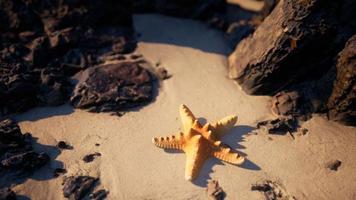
{"x":131,"y":167}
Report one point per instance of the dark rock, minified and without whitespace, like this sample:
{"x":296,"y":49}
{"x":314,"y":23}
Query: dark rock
{"x":342,"y":102}
{"x":290,"y":45}
{"x":99,"y":195}
{"x":279,"y":126}
{"x":90,"y":157}
{"x":77,"y":187}
{"x":58,"y":171}
{"x":42,"y":44}
{"x":16,"y":151}
{"x":112,"y":87}
{"x":7,"y":194}
{"x":272,"y":191}
{"x":214,"y":191}
{"x":28,"y":161}
{"x":64,"y":145}
{"x":196,"y":9}
{"x":163,"y":73}
{"x":334,"y":165}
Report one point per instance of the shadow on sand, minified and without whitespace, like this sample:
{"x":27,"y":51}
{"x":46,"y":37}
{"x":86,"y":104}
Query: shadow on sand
{"x":46,"y":172}
{"x":232,"y":139}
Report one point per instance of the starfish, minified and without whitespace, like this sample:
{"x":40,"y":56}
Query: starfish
{"x":200,"y":142}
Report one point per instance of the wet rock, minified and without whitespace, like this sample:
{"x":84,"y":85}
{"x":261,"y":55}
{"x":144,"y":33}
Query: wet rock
{"x":214,"y":191}
{"x":58,"y":171}
{"x":334,"y":165}
{"x":279,"y":126}
{"x":64,"y":145}
{"x":99,"y":195}
{"x":112,"y":87}
{"x":77,"y":187}
{"x":90,"y":157}
{"x":7,"y":194}
{"x":342,"y":102}
{"x":272,"y":191}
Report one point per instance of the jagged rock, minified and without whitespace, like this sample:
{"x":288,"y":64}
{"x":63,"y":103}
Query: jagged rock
{"x":42,"y":44}
{"x":214,"y":191}
{"x":99,"y":195}
{"x":16,"y":151}
{"x":59,"y":171}
{"x":64,"y":145}
{"x":272,"y":191}
{"x":197,"y":9}
{"x":342,"y":102}
{"x":334,"y":165}
{"x":112,"y":87}
{"x":7,"y":194}
{"x":289,"y":46}
{"x":77,"y":187}
{"x":280,"y":126}
{"x":90,"y":157}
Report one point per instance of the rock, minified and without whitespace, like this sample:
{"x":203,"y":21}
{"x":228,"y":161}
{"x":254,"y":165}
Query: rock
{"x":289,"y":46}
{"x":7,"y":194}
{"x":43,"y":44}
{"x":272,"y":191}
{"x":196,"y":9}
{"x":163,"y":73}
{"x":58,"y":171}
{"x":64,"y":145}
{"x":77,"y":187}
{"x":99,"y":195}
{"x":112,"y":87}
{"x":342,"y":102}
{"x":334,"y":165}
{"x":214,"y":191}
{"x":16,"y":151}
{"x":279,"y":126}
{"x":90,"y":157}
{"x":28,"y":161}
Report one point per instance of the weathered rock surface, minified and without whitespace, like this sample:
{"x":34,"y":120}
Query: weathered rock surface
{"x":296,"y":42}
{"x":280,"y":126}
{"x":112,"y":87}
{"x":77,"y":187}
{"x":16,"y":151}
{"x":197,"y":9}
{"x":214,"y":191}
{"x":272,"y":191}
{"x":342,"y":102}
{"x":43,"y":43}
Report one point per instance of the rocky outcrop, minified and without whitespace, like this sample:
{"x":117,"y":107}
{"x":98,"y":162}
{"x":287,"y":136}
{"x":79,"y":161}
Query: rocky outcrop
{"x":42,"y":44}
{"x":111,"y":87}
{"x":196,"y":9}
{"x":342,"y":102}
{"x":295,"y":43}
{"x":17,"y":156}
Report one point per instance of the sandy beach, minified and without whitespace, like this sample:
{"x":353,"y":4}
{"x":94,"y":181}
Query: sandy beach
{"x":131,"y":167}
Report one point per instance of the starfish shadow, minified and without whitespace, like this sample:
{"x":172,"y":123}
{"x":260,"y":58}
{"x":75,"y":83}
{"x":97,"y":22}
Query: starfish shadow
{"x":233,"y":140}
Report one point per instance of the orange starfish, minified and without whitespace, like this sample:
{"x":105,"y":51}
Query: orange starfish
{"x":200,"y":142}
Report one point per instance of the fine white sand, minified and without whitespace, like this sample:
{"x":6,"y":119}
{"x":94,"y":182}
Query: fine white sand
{"x":131,"y":167}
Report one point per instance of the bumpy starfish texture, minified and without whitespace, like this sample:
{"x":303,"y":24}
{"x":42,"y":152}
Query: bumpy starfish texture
{"x":200,"y":142}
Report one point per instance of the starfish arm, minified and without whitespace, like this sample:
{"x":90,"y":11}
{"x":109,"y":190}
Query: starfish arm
{"x":227,"y":154}
{"x":187,"y":117}
{"x":171,"y":142}
{"x":221,"y":127}
{"x":195,"y":158}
